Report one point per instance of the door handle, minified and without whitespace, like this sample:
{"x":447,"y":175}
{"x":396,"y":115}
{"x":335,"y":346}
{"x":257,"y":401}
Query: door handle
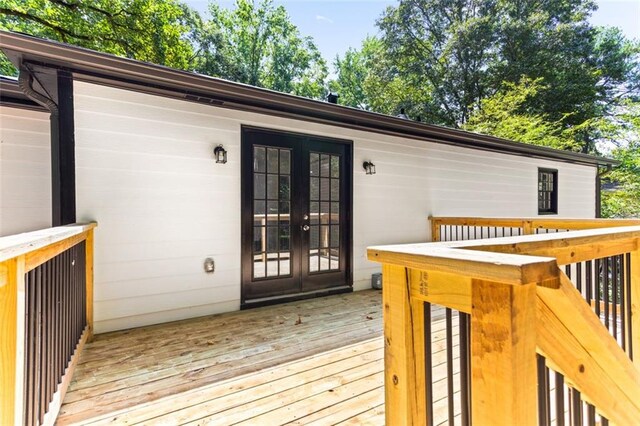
{"x":305,"y":227}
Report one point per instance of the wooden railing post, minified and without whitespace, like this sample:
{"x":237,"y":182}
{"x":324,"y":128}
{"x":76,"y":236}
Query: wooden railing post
{"x":11,"y":340}
{"x":89,"y":282}
{"x":405,"y":400}
{"x":503,"y":354}
{"x":435,"y":230}
{"x":527,"y":227}
{"x":635,"y":304}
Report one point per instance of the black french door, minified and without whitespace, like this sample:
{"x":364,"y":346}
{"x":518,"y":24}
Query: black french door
{"x":296,"y":215}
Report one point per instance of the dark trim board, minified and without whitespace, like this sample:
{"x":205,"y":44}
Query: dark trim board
{"x":149,"y":78}
{"x":21,"y":104}
{"x":63,"y":163}
{"x":53,"y":90}
{"x":598,"y":195}
{"x":284,"y":299}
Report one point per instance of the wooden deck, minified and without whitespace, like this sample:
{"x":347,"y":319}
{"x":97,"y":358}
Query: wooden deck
{"x":318,"y":361}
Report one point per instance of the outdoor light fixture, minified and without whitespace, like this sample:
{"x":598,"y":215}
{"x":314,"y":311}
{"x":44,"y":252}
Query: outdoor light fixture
{"x":221,"y":154}
{"x":369,"y":167}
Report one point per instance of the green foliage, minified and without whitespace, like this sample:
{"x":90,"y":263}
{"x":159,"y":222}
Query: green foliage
{"x":442,"y":48}
{"x":257,"y":44}
{"x":155,"y":31}
{"x":623,"y":200}
{"x":448,"y":57}
{"x":252,"y":43}
{"x":366,"y":80}
{"x":503,"y":115}
{"x":6,"y":67}
{"x":622,"y":197}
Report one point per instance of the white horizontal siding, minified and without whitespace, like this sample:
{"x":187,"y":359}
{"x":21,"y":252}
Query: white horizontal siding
{"x":145,"y":172}
{"x":25,"y":170}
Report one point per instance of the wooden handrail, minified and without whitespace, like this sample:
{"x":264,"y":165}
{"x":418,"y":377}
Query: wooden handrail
{"x":29,"y":242}
{"x":563,"y":326}
{"x":534,"y":222}
{"x":20,"y":254}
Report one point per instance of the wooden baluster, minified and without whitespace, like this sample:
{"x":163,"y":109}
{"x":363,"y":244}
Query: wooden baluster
{"x":635,"y":304}
{"x":12,"y":340}
{"x":405,"y":400}
{"x":503,"y":354}
{"x":89,"y":282}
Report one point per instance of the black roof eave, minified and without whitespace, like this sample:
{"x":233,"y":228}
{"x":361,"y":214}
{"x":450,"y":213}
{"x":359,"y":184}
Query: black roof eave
{"x":157,"y":79}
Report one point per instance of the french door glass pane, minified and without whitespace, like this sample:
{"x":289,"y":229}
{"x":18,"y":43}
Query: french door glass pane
{"x":271,"y":210}
{"x":324,"y":209}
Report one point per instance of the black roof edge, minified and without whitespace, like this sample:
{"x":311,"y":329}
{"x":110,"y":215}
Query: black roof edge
{"x":157,"y":79}
{"x":12,"y":96}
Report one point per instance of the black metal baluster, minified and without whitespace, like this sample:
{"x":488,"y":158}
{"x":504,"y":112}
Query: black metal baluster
{"x":428,"y":364}
{"x":591,"y":415}
{"x":629,"y":319}
{"x":607,"y":281}
{"x":589,"y":281}
{"x":623,"y":298}
{"x":39,"y":403}
{"x":449,"y":337}
{"x":598,"y":273}
{"x":576,"y":408}
{"x":465,"y":370}
{"x":559,"y":399}
{"x":544,"y":414}
{"x":579,"y":277}
{"x":47,"y":386}
{"x":615,"y":285}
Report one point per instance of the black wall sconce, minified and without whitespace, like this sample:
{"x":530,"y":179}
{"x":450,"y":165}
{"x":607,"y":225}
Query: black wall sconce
{"x":369,"y":168}
{"x":221,"y":154}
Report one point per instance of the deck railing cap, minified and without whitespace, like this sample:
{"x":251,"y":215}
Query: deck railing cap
{"x":495,"y":258}
{"x":16,"y":245}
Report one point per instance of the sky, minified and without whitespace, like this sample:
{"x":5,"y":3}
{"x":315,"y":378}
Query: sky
{"x":336,"y":25}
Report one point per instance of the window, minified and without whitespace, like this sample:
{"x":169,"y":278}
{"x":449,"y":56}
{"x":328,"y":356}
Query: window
{"x":547,"y":191}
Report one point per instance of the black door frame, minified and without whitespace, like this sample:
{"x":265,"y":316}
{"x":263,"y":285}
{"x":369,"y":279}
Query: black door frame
{"x":247,"y":207}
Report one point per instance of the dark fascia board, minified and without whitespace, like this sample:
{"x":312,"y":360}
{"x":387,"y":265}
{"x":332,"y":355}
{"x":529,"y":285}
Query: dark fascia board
{"x":135,"y":75}
{"x":12,"y":96}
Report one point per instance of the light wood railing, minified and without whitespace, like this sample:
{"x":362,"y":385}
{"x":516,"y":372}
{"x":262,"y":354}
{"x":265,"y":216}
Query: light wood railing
{"x":46,"y":316}
{"x":522,"y":306}
{"x":472,"y":228}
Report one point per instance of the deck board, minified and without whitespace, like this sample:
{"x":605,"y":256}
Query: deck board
{"x":317,"y":362}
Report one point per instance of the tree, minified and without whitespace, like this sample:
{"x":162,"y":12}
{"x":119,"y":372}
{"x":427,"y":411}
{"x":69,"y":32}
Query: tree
{"x":621,"y":192}
{"x":443,"y":48}
{"x":450,"y":56}
{"x":502,"y":115}
{"x":260,"y":46}
{"x":622,"y":199}
{"x":158,"y":31}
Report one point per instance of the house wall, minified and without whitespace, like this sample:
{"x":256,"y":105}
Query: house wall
{"x":145,"y":173}
{"x":25,"y":170}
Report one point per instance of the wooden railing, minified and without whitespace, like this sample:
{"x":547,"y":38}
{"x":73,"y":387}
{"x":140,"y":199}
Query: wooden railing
{"x":46,"y":316}
{"x":474,"y":228}
{"x":528,"y":322}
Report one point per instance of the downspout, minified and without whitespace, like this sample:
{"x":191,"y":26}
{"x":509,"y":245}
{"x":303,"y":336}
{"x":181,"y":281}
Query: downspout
{"x":25,"y":83}
{"x":599,"y":176}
